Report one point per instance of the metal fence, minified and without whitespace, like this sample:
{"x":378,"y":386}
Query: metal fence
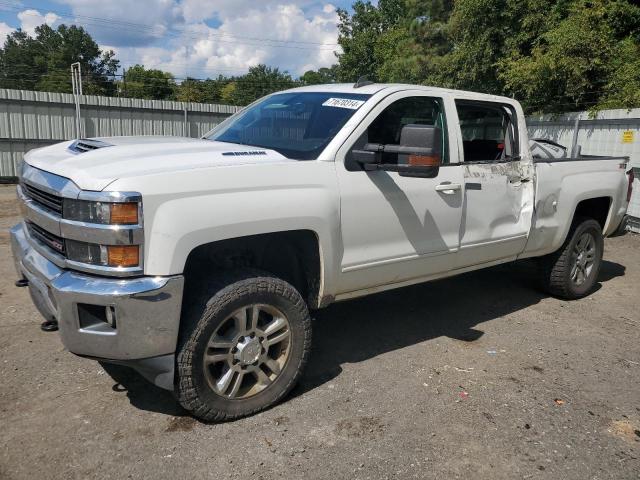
{"x":35,"y":119}
{"x":609,"y":132}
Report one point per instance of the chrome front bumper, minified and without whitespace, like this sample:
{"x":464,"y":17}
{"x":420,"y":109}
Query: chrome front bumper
{"x":147,"y":310}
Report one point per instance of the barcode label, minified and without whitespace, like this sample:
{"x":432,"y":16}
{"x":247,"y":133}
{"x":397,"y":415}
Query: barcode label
{"x":343,"y":103}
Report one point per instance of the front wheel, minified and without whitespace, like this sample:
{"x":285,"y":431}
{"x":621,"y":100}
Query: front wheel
{"x":246,"y":350}
{"x":572,"y":271}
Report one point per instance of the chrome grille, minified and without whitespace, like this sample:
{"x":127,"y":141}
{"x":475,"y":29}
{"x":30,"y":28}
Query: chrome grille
{"x":52,"y":241}
{"x":45,"y":199}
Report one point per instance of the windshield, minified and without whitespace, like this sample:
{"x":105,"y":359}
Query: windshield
{"x":298,"y":125}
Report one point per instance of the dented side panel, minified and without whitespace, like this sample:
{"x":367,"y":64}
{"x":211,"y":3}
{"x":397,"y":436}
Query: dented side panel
{"x":498,"y":203}
{"x":560,"y":187}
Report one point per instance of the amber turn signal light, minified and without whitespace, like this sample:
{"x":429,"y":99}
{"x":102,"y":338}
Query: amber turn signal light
{"x":124,"y":213}
{"x":123,"y":256}
{"x":424,"y":160}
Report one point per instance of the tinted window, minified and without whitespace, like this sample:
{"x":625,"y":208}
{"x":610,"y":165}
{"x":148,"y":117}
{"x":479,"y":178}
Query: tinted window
{"x":297,"y":125}
{"x":488,"y":131}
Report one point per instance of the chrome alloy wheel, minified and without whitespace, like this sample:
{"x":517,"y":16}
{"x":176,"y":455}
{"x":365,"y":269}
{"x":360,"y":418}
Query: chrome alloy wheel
{"x":247,"y":351}
{"x":583,"y":258}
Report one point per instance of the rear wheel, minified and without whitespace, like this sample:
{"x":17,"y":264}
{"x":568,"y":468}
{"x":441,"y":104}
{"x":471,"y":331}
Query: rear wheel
{"x":245,"y":350}
{"x":572,"y":271}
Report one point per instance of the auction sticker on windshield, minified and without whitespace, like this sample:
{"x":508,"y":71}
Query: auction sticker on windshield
{"x":343,"y":103}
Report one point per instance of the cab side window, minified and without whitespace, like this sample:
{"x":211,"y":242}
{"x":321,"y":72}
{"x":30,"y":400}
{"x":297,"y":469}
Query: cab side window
{"x":489,"y":131}
{"x":386,"y":128}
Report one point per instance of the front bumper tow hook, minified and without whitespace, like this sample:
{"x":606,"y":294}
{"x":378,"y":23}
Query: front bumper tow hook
{"x":49,"y":326}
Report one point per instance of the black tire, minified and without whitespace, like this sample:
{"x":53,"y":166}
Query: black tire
{"x":235,"y":290}
{"x":556,"y":268}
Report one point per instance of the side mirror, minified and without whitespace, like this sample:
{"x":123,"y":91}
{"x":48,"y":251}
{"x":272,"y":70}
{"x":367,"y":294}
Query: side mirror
{"x":426,"y":157}
{"x":419,"y":153}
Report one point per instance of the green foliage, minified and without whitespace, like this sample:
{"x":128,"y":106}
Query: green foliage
{"x":139,"y":82}
{"x":322,"y":75}
{"x":552,"y":55}
{"x":258,"y":82}
{"x":361,"y":36}
{"x":43,"y":62}
{"x":580,"y":62}
{"x":201,"y":91}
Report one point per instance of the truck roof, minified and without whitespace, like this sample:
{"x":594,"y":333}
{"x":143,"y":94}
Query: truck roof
{"x":395,"y":87}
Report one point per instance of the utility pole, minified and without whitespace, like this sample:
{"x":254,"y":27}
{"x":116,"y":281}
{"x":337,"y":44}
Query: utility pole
{"x":124,"y":82}
{"x":76,"y":83}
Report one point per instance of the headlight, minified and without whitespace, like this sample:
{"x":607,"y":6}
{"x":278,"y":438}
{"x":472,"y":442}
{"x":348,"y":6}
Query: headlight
{"x":104,"y":255}
{"x":105,"y":213}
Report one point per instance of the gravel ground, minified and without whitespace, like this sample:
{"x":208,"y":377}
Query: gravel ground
{"x":479,"y":376}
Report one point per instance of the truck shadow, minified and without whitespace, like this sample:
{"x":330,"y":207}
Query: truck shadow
{"x":357,"y":330}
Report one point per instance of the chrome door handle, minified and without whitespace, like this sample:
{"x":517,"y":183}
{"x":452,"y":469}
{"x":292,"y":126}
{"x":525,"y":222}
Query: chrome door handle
{"x":448,"y":188}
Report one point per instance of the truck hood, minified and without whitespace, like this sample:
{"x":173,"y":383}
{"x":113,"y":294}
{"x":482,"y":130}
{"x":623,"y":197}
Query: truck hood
{"x":113,"y":158}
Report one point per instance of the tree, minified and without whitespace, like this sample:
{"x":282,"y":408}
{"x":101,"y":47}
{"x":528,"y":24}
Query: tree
{"x":359,"y":35}
{"x":588,"y":59}
{"x":552,"y":55}
{"x":322,"y":75}
{"x":152,"y":84}
{"x":43,"y":62}
{"x":261,"y":80}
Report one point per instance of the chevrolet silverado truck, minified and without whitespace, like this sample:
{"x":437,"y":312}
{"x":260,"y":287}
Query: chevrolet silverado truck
{"x":197,"y":261}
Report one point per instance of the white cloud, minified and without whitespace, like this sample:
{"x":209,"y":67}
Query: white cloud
{"x":201,"y":38}
{"x":5,"y":30}
{"x":127,"y":22}
{"x":296,"y":42}
{"x":30,"y":19}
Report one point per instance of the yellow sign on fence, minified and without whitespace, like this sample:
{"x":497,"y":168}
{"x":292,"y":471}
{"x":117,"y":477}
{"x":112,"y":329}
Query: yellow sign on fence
{"x":627,"y":136}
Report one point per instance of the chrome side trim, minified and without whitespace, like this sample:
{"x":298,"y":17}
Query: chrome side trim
{"x":113,"y":197}
{"x":101,"y":234}
{"x":102,"y":270}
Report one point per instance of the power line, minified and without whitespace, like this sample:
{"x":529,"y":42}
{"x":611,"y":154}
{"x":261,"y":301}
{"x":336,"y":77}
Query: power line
{"x":154,"y":30}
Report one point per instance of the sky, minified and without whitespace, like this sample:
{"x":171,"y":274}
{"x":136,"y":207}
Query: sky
{"x":196,"y":38}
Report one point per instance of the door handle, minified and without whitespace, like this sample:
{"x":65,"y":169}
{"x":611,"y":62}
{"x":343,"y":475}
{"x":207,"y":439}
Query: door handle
{"x":448,"y":188}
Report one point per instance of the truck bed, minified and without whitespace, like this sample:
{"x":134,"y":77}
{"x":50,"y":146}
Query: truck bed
{"x":561,"y":184}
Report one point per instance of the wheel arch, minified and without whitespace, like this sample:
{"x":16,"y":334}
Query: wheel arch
{"x":293,"y":255}
{"x":597,"y":208}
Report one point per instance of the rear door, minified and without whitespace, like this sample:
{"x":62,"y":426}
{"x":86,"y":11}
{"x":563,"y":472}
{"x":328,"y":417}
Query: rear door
{"x":498,"y":194}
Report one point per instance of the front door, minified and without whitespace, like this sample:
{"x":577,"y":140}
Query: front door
{"x":497,"y":209}
{"x":397,"y":229}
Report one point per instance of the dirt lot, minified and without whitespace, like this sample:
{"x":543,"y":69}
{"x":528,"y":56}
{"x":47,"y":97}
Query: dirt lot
{"x":480,"y":376}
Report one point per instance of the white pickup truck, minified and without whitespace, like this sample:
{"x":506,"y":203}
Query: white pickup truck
{"x":196,"y":261}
